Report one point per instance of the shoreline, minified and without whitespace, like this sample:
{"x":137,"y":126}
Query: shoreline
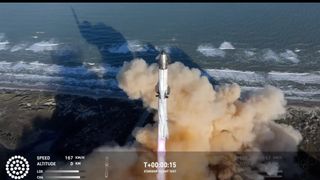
{"x":34,"y":122}
{"x":290,"y":101}
{"x":29,"y":116}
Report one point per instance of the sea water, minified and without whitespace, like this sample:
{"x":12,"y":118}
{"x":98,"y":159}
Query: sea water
{"x":79,"y":47}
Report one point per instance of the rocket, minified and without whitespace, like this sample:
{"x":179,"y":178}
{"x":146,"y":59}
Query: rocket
{"x":163,"y":92}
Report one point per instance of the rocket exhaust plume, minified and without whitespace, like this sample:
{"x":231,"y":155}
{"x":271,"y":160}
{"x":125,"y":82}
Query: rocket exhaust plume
{"x":203,"y":120}
{"x":162,"y":94}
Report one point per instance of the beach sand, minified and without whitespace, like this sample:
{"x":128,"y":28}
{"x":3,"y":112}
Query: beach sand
{"x":25,"y":116}
{"x":33,"y":121}
{"x":49,"y":122}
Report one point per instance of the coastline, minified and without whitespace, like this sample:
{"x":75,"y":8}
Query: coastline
{"x":35,"y":122}
{"x":27,"y":116}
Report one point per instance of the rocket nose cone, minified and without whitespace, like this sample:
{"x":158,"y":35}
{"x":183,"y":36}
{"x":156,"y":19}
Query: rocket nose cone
{"x":163,"y":60}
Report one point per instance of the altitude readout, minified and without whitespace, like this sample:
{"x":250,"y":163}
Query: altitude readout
{"x":74,"y":160}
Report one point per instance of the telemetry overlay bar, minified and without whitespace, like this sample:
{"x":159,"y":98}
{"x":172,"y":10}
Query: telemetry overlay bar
{"x":62,"y":177}
{"x":63,"y":171}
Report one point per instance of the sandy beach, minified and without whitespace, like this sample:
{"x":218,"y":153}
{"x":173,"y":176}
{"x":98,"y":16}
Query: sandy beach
{"x":49,"y":122}
{"x":33,"y":122}
{"x":32,"y":117}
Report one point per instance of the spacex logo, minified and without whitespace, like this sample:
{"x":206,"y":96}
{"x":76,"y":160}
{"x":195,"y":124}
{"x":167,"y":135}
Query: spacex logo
{"x":17,"y":167}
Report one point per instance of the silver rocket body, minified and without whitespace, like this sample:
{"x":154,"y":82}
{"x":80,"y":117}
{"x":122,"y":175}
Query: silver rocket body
{"x":162,"y":89}
{"x":163,"y":94}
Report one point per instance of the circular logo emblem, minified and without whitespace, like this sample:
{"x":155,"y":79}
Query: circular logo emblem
{"x":17,"y":167}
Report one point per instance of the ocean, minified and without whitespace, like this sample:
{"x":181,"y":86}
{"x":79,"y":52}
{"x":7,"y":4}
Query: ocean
{"x":80,"y":47}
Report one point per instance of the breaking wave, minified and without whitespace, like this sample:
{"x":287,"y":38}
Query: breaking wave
{"x":210,"y":51}
{"x":43,"y":46}
{"x":96,"y":79}
{"x":259,"y":77}
{"x":130,"y":46}
{"x":249,"y":53}
{"x":85,"y":79}
{"x":264,"y":55}
{"x":18,"y":47}
{"x":270,"y":55}
{"x":294,"y":85}
{"x":4,"y":45}
{"x":286,"y":56}
{"x":136,"y":46}
{"x":226,"y":45}
{"x":290,"y":55}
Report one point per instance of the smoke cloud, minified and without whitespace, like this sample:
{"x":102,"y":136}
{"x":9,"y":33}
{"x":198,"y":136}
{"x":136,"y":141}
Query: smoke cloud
{"x":203,"y":121}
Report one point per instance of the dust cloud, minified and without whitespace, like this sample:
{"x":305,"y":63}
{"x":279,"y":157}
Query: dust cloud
{"x":208,"y":127}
